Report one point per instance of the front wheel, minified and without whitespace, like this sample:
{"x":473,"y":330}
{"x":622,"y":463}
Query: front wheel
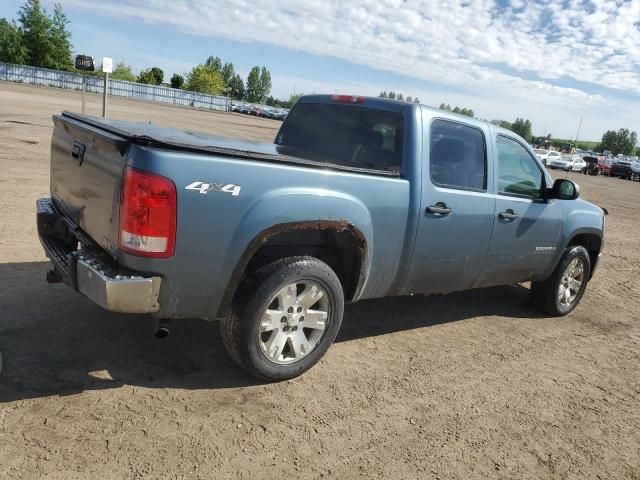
{"x":285,"y":318}
{"x":562,"y":291}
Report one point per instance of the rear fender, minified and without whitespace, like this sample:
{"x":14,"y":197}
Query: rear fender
{"x":286,"y":209}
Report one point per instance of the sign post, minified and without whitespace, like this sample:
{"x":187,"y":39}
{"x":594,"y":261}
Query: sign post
{"x":107,"y":68}
{"x":84,"y":88}
{"x":84,"y":63}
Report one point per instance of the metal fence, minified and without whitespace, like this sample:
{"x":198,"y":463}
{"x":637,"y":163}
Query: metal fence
{"x":118,"y":88}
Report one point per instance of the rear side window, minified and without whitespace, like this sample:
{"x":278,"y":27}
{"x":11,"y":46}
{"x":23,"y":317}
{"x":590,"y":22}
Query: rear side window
{"x":344,"y":135}
{"x":458,"y":156}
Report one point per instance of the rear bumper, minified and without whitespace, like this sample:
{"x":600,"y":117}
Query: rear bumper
{"x":89,"y":270}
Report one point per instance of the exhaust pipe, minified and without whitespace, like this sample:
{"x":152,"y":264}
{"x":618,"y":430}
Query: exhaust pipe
{"x":162,"y":329}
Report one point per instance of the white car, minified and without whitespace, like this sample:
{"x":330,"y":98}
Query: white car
{"x":566,"y":162}
{"x":552,"y":155}
{"x":542,"y":154}
{"x":578,"y":163}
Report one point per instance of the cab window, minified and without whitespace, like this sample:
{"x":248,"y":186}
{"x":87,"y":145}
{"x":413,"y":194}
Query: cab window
{"x":458,"y":156}
{"x":518,"y":172}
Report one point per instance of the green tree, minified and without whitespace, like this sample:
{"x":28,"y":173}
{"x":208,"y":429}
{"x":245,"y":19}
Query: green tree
{"x":383,"y":94}
{"x":177,"y":81}
{"x":409,"y":99}
{"x":623,"y":141}
{"x":151,"y":76}
{"x":253,"y":85}
{"x":228,"y":73}
{"x":214,"y":63}
{"x":400,"y":97}
{"x":236,"y":87}
{"x":523,"y":128}
{"x":60,"y":40}
{"x":392,"y":95}
{"x":123,"y":72}
{"x":204,"y":79}
{"x":460,"y":110}
{"x":265,"y":83}
{"x":12,"y":47}
{"x":416,"y":100}
{"x":36,"y":29}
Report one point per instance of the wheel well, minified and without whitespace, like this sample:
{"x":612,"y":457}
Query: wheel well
{"x":337,"y":243}
{"x":591,"y":242}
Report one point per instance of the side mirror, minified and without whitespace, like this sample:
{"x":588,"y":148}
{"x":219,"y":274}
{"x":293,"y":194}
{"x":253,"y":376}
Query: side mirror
{"x":564,"y":189}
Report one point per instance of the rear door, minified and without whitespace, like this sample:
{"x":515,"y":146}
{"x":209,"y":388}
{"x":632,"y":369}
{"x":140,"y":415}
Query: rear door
{"x":457,"y":208}
{"x":526,"y":226}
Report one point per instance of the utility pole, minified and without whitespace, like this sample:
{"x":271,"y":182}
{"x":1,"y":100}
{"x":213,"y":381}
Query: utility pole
{"x":578,"y":134}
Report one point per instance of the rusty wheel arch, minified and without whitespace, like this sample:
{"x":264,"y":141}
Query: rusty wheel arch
{"x":260,"y":240}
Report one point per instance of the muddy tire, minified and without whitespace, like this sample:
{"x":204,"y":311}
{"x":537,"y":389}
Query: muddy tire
{"x":284,"y":318}
{"x":562,"y":291}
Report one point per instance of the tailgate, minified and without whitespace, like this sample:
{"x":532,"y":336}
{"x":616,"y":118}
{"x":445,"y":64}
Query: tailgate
{"x":86,"y":171}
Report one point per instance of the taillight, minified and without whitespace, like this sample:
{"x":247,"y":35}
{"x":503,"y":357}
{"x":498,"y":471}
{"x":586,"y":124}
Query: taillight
{"x":347,"y":99}
{"x":147,"y":214}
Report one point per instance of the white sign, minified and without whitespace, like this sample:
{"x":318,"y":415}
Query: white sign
{"x":107,"y":65}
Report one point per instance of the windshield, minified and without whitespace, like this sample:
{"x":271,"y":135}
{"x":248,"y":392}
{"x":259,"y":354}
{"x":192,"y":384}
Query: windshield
{"x":344,"y":135}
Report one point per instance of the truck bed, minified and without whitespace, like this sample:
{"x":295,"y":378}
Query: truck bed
{"x":148,"y":134}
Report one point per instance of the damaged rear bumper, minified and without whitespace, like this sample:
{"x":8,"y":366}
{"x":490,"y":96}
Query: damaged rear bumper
{"x":89,"y":270}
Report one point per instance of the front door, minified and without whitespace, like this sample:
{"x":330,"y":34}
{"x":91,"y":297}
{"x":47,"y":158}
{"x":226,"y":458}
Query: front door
{"x":457,"y":211}
{"x":526,"y":226}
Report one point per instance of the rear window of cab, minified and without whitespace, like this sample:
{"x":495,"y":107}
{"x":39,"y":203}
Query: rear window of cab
{"x":346,"y":135}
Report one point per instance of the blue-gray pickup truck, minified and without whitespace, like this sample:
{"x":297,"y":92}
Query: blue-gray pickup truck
{"x":357,"y":198}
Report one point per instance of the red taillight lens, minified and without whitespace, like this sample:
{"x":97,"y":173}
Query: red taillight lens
{"x":147,"y":214}
{"x":347,"y":99}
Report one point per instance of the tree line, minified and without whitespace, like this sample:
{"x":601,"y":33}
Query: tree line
{"x":37,"y":39}
{"x":398,"y":96}
{"x":42,"y":40}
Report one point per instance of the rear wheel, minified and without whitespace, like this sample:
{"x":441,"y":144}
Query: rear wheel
{"x":284,"y":318}
{"x":562,"y":291}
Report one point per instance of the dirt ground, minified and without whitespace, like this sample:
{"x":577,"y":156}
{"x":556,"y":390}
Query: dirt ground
{"x":470,"y":385}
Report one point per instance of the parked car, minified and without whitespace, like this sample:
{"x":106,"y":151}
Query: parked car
{"x":621,"y":167}
{"x":591,"y":167}
{"x":357,"y":198}
{"x":553,"y":155}
{"x":542,"y":154}
{"x":579,"y":163}
{"x":562,"y":162}
{"x":635,"y":170}
{"x":604,"y":164}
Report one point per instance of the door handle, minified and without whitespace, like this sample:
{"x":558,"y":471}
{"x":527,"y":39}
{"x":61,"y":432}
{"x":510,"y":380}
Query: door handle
{"x":439,"y":208}
{"x":509,"y":215}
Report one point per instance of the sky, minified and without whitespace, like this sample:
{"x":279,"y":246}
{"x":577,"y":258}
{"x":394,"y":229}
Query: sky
{"x":552,"y":61}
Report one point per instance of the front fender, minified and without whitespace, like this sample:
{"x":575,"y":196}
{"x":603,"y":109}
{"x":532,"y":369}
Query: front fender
{"x":287,"y":207}
{"x":580,"y":218}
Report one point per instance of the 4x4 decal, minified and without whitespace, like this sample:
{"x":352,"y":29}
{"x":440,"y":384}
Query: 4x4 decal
{"x":204,"y":188}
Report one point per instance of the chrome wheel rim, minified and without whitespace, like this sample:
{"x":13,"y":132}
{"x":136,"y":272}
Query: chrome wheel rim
{"x":571,"y":282}
{"x":294,"y":321}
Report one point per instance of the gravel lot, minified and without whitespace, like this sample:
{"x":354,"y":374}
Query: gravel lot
{"x":471,"y":385}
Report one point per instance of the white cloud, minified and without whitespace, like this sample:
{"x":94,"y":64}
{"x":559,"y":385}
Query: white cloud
{"x":474,"y":45}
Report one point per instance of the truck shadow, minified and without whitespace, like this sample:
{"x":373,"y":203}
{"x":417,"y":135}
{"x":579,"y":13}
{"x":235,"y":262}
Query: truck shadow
{"x":55,"y":342}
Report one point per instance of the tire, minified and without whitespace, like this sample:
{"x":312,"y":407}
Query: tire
{"x":545,"y":295}
{"x":270,"y":290}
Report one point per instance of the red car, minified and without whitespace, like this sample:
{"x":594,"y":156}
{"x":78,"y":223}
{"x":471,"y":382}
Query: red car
{"x":604,"y":164}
